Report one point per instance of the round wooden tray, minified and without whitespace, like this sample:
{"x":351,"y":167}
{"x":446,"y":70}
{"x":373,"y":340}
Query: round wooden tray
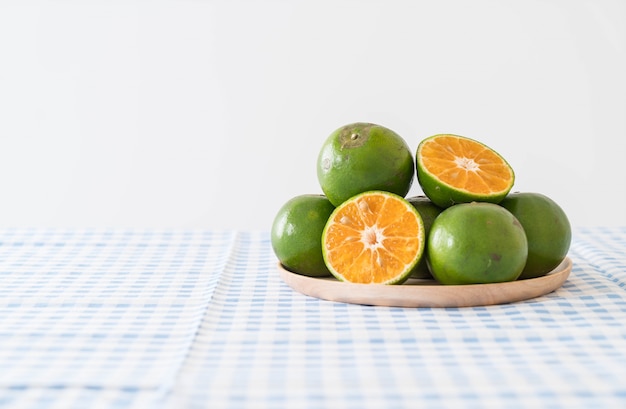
{"x":427,"y":293}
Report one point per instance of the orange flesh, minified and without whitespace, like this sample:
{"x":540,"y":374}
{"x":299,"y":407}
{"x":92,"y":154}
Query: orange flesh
{"x":466,"y":165}
{"x":374,"y":239}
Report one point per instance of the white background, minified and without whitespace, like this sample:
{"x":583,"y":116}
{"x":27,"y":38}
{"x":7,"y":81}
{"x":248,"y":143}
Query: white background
{"x":210,"y":114}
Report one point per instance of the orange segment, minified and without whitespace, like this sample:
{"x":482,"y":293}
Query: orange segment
{"x":375,"y":237}
{"x":455,"y":169}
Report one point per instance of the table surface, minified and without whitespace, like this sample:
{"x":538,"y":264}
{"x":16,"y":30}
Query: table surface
{"x":193,"y":319}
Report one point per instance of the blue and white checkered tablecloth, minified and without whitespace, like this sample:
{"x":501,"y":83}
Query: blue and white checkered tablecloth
{"x":201,"y":319}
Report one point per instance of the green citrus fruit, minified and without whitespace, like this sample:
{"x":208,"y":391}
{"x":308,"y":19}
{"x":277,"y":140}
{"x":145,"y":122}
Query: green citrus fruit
{"x":360,"y":157}
{"x":454,"y":169}
{"x":296,"y":234}
{"x":375,"y":237}
{"x":547,"y":228}
{"x":476,"y":243}
{"x":429,"y":212}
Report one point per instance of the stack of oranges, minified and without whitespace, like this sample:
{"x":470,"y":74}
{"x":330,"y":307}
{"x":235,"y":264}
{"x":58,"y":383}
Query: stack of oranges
{"x":467,"y":228}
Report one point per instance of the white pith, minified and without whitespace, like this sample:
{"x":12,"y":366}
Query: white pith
{"x":372,"y":238}
{"x":466,"y":163}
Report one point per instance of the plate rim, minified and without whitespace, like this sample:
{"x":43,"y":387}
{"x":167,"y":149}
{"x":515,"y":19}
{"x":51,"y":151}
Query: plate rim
{"x":428,"y":295}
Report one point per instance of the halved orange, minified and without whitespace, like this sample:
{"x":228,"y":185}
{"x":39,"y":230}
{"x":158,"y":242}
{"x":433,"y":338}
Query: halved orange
{"x":375,"y":237}
{"x":454,"y":169}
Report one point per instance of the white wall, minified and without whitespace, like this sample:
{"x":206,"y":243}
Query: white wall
{"x":210,"y":114}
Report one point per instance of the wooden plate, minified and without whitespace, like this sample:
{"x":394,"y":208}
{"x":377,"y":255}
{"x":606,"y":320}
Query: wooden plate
{"x":427,"y":293}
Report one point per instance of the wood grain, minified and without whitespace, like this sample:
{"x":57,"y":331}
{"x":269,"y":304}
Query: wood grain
{"x":427,"y":293}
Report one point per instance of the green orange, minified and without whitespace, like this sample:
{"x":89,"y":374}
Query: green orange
{"x":547,"y":228}
{"x":476,"y":243}
{"x":361,"y":157}
{"x":455,"y":169}
{"x":429,"y":212}
{"x":375,"y":237}
{"x":296,"y":234}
